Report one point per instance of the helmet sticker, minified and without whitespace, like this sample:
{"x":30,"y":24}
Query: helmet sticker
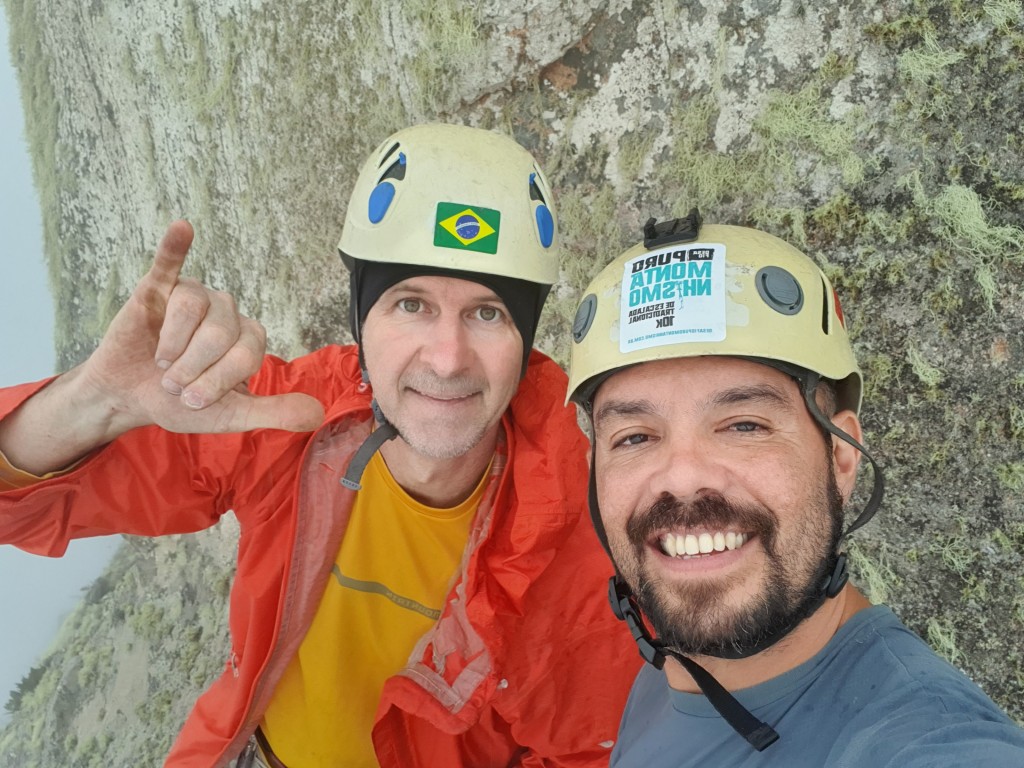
{"x":673,"y":295}
{"x":380,"y":201}
{"x":467,"y":228}
{"x":384,"y":193}
{"x":545,"y":225}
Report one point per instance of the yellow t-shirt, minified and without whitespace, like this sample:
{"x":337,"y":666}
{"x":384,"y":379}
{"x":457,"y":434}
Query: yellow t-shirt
{"x":12,"y":478}
{"x":387,"y":588}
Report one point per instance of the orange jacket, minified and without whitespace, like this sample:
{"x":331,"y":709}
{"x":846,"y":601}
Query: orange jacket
{"x":525,"y":667}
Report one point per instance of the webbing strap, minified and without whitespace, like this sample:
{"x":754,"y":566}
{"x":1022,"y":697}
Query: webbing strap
{"x":758,"y":734}
{"x":370,"y":446}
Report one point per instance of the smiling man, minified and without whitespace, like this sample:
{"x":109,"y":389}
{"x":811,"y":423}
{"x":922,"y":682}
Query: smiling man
{"x":403,"y":587}
{"x":724,"y":397}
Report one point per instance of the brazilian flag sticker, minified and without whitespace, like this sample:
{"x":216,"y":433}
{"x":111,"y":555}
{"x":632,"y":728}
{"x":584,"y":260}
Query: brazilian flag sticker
{"x":467,"y":228}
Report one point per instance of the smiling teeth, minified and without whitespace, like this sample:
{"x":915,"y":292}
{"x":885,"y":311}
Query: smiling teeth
{"x":689,"y":545}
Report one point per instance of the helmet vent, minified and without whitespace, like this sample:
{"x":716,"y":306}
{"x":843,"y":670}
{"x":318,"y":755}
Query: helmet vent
{"x":388,"y":154}
{"x":780,"y":290}
{"x":396,"y":170}
{"x":535,"y":193}
{"x":825,"y":315}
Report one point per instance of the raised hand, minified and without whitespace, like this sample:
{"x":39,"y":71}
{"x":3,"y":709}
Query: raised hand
{"x":177,"y":354}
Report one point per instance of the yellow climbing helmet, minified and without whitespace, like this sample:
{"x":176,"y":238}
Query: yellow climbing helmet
{"x":457,"y":202}
{"x":452,"y":197}
{"x":688,"y":291}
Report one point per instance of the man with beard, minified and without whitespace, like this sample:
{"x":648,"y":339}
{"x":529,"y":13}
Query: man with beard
{"x":400,"y":598}
{"x":723,"y":393}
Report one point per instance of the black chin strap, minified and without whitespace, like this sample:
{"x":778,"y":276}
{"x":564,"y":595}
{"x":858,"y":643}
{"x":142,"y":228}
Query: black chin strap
{"x":809,"y":384}
{"x":758,"y":734}
{"x":833,"y":582}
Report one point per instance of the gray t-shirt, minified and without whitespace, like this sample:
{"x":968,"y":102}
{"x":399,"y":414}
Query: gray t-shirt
{"x":875,"y":697}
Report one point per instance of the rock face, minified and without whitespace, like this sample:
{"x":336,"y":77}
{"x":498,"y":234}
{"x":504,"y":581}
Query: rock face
{"x":882,"y":138}
{"x":125,"y":668}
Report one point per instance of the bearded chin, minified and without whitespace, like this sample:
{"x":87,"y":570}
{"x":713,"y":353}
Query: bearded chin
{"x":697,"y":625}
{"x":693,"y":620}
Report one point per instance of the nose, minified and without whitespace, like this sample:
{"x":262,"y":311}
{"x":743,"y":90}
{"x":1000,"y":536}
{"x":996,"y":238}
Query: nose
{"x":447,"y":348}
{"x":688,"y":468}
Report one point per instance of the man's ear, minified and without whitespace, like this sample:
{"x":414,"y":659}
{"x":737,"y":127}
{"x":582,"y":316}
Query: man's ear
{"x":846,"y":457}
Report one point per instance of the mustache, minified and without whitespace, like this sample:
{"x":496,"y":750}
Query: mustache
{"x":430,"y":383}
{"x":711,"y":511}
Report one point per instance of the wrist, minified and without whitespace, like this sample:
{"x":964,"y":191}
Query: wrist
{"x":61,"y":423}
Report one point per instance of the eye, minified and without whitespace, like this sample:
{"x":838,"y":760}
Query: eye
{"x":410,"y":305}
{"x":631,"y":440}
{"x":746,"y":426}
{"x":489,"y":314}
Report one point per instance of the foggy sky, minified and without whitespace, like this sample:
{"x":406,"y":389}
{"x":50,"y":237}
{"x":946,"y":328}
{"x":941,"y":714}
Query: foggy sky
{"x":35,"y":592}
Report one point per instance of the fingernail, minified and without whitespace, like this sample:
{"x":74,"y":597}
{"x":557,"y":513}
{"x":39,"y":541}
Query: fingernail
{"x":171,"y":387}
{"x":163,"y":365}
{"x":193,"y":400}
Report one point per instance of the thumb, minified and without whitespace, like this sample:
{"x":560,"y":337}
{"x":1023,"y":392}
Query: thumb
{"x":294,"y":412}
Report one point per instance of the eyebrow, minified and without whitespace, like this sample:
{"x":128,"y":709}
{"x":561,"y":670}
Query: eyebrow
{"x":404,"y":286}
{"x":623,"y":408}
{"x":755,"y":393}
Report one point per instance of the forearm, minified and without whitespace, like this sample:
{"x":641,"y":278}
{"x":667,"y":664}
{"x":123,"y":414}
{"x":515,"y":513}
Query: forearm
{"x":59,"y":424}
